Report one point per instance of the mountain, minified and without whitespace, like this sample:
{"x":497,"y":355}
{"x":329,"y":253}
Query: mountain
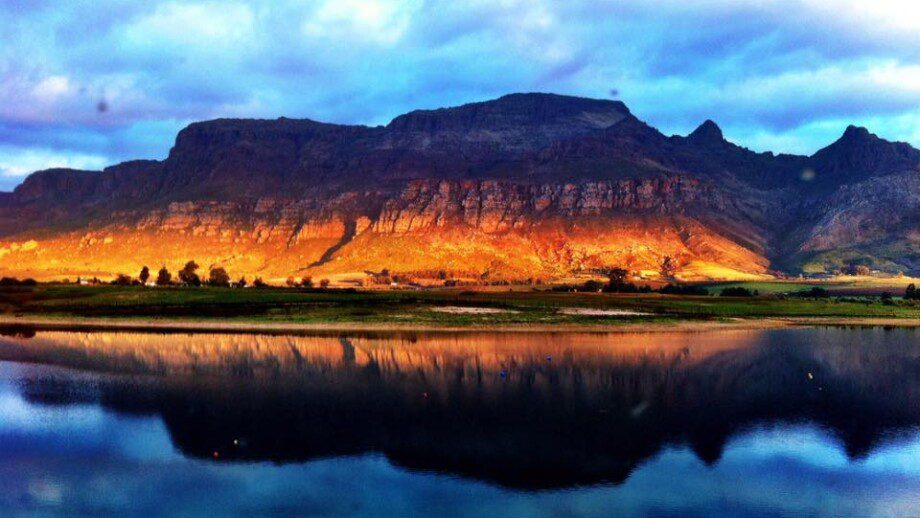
{"x":524,"y":186}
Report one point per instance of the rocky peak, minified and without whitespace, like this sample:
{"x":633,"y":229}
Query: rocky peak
{"x":859,"y":154}
{"x":708,"y":133}
{"x":856,"y":133}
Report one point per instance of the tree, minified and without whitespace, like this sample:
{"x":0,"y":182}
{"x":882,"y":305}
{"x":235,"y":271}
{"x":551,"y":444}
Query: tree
{"x":307,"y":282}
{"x":290,"y":282}
{"x":242,"y":282}
{"x":668,"y":267}
{"x":122,"y":280}
{"x":164,"y":278}
{"x":188,"y":276}
{"x":911,"y":293}
{"x":862,"y":270}
{"x":324,"y":283}
{"x":617,"y":275}
{"x":259,"y":283}
{"x":218,"y":277}
{"x":144,"y":275}
{"x":618,"y":282}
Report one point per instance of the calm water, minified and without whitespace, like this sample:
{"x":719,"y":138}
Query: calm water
{"x":811,"y":421}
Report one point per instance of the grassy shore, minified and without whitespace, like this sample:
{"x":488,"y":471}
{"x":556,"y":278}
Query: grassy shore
{"x":441,"y":308}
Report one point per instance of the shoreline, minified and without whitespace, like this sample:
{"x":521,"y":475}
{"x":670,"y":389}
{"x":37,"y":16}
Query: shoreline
{"x":217,"y":327}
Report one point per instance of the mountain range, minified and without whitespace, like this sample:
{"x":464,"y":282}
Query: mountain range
{"x":537,"y":186}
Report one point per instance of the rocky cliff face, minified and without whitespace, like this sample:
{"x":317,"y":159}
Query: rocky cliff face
{"x":527,"y":185}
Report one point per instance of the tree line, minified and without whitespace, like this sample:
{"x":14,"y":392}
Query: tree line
{"x":217,"y":276}
{"x":187,"y":276}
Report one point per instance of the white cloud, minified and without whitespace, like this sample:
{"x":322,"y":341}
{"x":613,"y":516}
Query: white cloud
{"x":52,"y":88}
{"x":354,"y":21}
{"x":193,"y":24}
{"x":16,"y":163}
{"x":879,"y":16}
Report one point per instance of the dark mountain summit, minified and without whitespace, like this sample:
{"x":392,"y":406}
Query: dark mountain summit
{"x":858,"y":155}
{"x":707,"y":134}
{"x":565,"y":182}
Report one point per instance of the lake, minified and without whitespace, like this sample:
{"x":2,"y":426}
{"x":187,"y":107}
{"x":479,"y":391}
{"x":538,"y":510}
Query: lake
{"x":819,"y":421}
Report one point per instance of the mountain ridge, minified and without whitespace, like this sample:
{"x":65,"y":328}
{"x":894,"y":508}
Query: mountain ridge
{"x":510,"y":185}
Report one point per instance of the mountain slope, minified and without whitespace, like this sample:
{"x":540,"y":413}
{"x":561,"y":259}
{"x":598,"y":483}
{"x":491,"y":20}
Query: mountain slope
{"x":527,"y":185}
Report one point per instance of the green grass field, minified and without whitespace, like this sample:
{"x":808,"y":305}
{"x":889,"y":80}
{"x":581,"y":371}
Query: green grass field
{"x":419,"y":307}
{"x":871,"y":286}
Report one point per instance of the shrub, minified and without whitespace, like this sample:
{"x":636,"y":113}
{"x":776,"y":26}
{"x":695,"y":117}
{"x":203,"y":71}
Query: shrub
{"x":259,"y":283}
{"x":121,"y":280}
{"x":737,"y":291}
{"x":144,"y":275}
{"x":592,"y":286}
{"x":815,"y":293}
{"x":911,"y":293}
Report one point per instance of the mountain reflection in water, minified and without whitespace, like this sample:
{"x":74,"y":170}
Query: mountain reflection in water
{"x":523,"y":410}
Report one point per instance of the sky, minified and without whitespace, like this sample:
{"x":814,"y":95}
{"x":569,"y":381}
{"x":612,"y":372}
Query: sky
{"x":87,"y":84}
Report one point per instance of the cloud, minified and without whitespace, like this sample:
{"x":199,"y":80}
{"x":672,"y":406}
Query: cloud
{"x":779,"y":73}
{"x":16,"y":162}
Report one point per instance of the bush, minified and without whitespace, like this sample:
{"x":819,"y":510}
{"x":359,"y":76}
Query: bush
{"x":12,"y":281}
{"x":814,"y":293}
{"x":887,"y":299}
{"x":592,"y":286}
{"x":911,"y":293}
{"x":259,"y":283}
{"x":121,"y":280}
{"x":626,"y":287}
{"x":737,"y":291}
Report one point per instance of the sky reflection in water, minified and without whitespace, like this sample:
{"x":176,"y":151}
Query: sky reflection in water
{"x":580,"y":424}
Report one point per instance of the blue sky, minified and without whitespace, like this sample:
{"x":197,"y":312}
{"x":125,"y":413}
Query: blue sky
{"x":88,"y":84}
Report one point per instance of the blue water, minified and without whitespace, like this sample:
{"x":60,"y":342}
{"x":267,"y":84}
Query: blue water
{"x":819,"y":422}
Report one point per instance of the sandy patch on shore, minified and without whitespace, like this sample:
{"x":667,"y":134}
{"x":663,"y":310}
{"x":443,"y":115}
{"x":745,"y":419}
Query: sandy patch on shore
{"x":594,"y":312}
{"x":464,"y":310}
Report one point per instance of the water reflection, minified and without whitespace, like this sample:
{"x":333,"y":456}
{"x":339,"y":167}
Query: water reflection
{"x":527,"y":411}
